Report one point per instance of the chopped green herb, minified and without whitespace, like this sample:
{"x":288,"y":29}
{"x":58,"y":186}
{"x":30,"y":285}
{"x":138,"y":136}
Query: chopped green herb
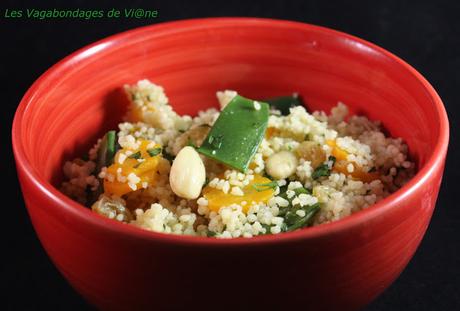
{"x":284,"y":227}
{"x":284,"y":103}
{"x":267,"y":228}
{"x":237,"y":133}
{"x":266,"y":186}
{"x":282,"y":212}
{"x":302,"y":190}
{"x":154,"y":151}
{"x":297,"y":191}
{"x":211,"y":234}
{"x":268,"y":176}
{"x":283,"y":189}
{"x":323,"y":170}
{"x":136,"y":155}
{"x":110,"y":146}
{"x":105,"y":154}
{"x":294,"y":221}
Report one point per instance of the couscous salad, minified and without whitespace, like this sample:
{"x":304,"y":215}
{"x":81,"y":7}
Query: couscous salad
{"x":253,"y":167}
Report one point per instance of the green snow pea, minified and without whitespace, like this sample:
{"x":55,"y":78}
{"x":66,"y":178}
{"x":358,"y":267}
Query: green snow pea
{"x":237,"y":133}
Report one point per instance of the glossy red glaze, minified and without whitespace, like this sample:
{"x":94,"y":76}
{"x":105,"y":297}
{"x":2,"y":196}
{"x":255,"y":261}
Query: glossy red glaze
{"x":115,"y":266}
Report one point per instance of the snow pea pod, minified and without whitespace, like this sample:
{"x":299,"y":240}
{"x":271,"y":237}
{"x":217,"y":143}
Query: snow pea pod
{"x":237,"y":133}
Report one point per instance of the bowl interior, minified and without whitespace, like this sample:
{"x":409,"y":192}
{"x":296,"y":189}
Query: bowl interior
{"x":79,"y":99}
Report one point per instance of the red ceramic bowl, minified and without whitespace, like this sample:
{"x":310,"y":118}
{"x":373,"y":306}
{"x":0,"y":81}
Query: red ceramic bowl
{"x":116,"y":266}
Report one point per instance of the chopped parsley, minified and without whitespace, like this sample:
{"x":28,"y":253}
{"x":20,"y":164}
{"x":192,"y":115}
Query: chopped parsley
{"x":297,"y":191}
{"x":324,"y":169}
{"x":136,"y":155}
{"x":266,"y":186}
{"x":154,"y":151}
{"x":294,"y":221}
{"x":267,"y":228}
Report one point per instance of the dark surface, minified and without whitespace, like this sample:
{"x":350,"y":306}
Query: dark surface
{"x":425,"y":34}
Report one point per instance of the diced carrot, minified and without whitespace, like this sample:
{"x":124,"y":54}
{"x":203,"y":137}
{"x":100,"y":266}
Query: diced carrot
{"x":337,"y":152}
{"x":358,"y":172}
{"x":341,"y":164}
{"x":217,"y":198}
{"x":270,"y":132}
{"x":146,"y":170}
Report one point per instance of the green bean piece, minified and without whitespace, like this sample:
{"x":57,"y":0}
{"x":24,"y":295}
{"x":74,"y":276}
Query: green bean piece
{"x":237,"y":133}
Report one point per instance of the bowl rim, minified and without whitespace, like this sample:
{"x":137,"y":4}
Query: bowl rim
{"x":434,"y":163}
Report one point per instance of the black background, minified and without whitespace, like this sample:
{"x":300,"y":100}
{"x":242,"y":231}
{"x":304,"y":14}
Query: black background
{"x":424,"y":33}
